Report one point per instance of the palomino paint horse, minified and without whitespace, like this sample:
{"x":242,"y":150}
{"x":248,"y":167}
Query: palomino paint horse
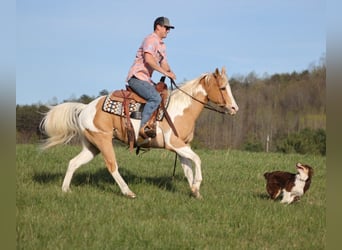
{"x":96,"y":128}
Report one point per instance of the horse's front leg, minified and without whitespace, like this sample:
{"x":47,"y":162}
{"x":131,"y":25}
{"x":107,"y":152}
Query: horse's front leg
{"x":186,"y":165}
{"x":186,"y":156}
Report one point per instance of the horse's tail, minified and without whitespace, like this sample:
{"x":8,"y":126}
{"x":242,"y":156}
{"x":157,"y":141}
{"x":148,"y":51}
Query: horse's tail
{"x":61,"y":124}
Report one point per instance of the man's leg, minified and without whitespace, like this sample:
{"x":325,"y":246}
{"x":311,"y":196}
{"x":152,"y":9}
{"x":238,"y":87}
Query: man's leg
{"x":148,"y":92}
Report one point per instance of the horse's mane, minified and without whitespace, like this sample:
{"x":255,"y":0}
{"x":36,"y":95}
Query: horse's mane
{"x":191,"y":87}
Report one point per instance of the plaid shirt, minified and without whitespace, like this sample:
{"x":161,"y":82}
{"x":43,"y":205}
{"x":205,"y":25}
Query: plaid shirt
{"x":140,"y":69}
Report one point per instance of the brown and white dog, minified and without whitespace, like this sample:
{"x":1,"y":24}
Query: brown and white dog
{"x":292,"y":185}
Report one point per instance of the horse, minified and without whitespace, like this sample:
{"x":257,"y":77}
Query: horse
{"x":95,"y":129}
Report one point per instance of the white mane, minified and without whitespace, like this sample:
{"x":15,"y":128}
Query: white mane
{"x":192,"y":87}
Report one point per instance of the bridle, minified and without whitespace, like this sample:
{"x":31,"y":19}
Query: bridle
{"x":206,"y":105}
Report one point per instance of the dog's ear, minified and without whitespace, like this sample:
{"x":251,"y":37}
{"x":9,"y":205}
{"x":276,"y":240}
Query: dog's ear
{"x":311,"y":172}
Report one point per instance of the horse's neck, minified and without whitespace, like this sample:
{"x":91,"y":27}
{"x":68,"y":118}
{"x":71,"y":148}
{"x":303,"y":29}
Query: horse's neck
{"x":197,"y":108}
{"x":189,"y":98}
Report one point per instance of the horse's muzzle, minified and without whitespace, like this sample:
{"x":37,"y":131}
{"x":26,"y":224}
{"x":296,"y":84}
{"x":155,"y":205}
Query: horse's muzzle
{"x":232,"y":110}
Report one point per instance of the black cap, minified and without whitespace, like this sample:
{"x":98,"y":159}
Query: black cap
{"x":163,"y":21}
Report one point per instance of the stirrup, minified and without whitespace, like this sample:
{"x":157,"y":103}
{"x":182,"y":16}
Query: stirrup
{"x":147,"y":132}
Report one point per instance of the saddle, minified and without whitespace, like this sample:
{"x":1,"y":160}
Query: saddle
{"x":128,"y":104}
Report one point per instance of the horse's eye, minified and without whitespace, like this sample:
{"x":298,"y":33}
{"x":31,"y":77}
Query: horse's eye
{"x":223,"y":88}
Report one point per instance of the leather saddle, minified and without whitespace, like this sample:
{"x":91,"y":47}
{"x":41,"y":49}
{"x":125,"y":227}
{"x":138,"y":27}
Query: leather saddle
{"x":129,"y":98}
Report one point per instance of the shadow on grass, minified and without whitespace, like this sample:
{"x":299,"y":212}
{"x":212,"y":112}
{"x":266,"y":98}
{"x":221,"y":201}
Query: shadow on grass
{"x":103,"y":180}
{"x":265,"y":196}
{"x":262,"y":196}
{"x":47,"y":177}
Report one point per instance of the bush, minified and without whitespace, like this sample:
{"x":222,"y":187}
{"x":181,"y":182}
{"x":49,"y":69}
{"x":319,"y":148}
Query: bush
{"x":28,"y":118}
{"x":253,"y":146}
{"x":307,"y":141}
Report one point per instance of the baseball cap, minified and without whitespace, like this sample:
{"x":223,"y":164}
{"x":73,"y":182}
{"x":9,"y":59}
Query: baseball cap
{"x":163,"y":21}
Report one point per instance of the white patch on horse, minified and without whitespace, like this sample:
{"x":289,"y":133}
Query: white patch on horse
{"x":184,"y":100}
{"x":136,"y":127}
{"x":230,"y":94}
{"x":86,"y":117}
{"x":167,"y":138}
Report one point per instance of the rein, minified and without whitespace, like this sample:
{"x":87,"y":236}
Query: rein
{"x":206,"y":105}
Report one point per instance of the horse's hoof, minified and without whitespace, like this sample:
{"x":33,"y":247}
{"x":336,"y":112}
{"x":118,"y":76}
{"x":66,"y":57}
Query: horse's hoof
{"x":131,"y":195}
{"x":196,"y":194}
{"x":66,"y":190}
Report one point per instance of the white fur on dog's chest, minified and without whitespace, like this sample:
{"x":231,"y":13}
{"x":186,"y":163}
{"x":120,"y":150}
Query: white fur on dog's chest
{"x":298,"y":188}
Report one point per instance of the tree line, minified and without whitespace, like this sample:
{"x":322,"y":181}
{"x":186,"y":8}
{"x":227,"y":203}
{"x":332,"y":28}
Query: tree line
{"x":278,"y":113}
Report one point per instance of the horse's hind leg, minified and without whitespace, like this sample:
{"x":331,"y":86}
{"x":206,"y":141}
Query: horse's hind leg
{"x":113,"y":168}
{"x":104,"y":144}
{"x":87,"y":154}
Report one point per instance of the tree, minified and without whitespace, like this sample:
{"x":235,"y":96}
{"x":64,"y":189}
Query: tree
{"x":103,"y":92}
{"x":85,"y":99}
{"x":28,"y":118}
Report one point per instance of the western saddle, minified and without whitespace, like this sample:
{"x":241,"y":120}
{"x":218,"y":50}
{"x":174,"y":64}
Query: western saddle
{"x":128,"y":97}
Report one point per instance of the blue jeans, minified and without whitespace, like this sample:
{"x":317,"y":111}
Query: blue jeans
{"x":149,"y":93}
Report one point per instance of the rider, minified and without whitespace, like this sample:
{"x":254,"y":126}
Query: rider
{"x":150,"y":56}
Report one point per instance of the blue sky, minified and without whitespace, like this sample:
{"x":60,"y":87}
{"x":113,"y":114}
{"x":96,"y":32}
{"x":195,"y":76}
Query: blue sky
{"x":67,"y":48}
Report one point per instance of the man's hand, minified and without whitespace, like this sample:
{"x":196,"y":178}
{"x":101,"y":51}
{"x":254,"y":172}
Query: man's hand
{"x":171,"y":75}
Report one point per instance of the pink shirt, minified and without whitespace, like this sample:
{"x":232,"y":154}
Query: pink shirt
{"x":156,"y":47}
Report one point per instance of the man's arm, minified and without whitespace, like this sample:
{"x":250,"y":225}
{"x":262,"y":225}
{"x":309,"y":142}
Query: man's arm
{"x":163,"y":69}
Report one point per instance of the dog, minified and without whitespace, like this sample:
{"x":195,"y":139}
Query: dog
{"x":292,"y":186}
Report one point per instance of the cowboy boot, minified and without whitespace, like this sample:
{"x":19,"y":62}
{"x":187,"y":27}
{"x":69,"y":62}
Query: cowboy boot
{"x":148,"y":131}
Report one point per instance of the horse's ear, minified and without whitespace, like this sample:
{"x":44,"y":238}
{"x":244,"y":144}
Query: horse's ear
{"x":223,"y":71}
{"x":217,"y":72}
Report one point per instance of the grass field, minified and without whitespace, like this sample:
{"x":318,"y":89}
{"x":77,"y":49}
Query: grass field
{"x":234,"y":214}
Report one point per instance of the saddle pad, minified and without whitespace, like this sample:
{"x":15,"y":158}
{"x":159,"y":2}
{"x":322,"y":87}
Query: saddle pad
{"x":115,"y":107}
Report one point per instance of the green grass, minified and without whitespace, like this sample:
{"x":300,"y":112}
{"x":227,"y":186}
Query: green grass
{"x":234,"y":214}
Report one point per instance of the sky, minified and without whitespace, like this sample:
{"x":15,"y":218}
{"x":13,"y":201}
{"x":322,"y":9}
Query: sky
{"x":68,"y":48}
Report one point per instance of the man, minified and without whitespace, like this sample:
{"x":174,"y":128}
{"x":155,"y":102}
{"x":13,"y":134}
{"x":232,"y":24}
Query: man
{"x":150,"y":56}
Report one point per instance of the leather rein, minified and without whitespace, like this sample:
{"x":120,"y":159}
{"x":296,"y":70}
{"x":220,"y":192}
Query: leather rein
{"x":206,"y":105}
